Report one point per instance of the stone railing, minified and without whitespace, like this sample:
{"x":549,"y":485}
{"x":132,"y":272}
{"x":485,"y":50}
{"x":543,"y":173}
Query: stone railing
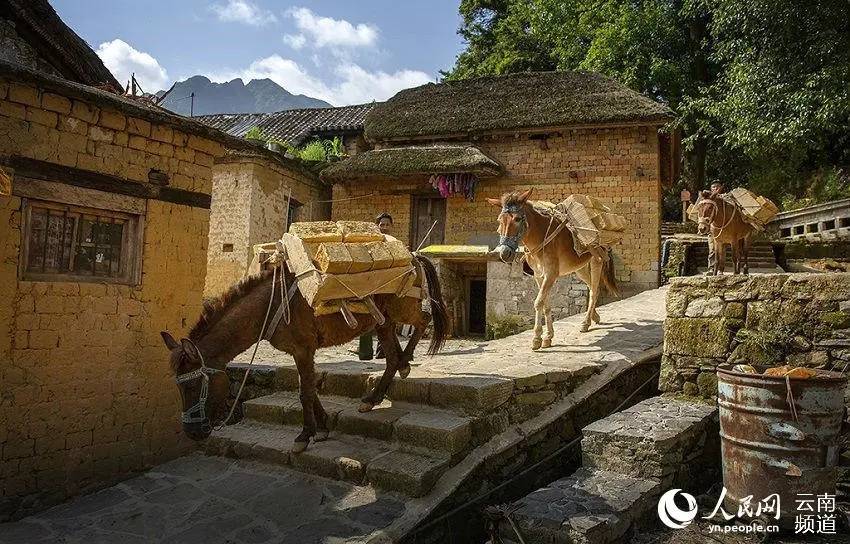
{"x":769,"y":320}
{"x":827,"y":221}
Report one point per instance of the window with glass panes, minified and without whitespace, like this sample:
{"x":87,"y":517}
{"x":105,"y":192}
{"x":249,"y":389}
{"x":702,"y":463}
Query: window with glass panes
{"x":65,"y":242}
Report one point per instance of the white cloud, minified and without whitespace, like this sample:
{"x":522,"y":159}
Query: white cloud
{"x":352,"y":85}
{"x":295,"y":41}
{"x":122,"y":59}
{"x":242,"y":11}
{"x":328,"y":32}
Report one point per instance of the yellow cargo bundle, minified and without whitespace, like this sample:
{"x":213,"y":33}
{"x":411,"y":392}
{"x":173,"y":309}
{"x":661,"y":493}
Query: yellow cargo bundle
{"x":591,"y":222}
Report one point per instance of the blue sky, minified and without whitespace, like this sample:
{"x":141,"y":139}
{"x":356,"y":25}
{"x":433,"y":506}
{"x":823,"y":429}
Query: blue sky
{"x":342,"y":51}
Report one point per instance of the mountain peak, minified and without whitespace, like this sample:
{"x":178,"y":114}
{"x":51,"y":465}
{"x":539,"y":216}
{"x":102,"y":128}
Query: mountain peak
{"x":257,"y":96}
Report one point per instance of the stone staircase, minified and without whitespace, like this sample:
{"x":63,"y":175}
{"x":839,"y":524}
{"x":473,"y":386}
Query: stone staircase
{"x":761,"y":259}
{"x":629,"y":459}
{"x":402,"y":445}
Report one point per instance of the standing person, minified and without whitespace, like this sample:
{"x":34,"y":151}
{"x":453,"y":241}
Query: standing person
{"x":364,"y":349}
{"x":717,"y":189}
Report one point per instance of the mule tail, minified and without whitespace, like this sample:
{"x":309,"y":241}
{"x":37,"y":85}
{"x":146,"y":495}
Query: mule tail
{"x":608,"y":279}
{"x":439,"y":313}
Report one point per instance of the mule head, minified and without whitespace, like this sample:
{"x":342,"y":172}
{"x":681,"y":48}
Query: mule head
{"x":203,"y":390}
{"x":706,"y":210}
{"x":512,"y":223}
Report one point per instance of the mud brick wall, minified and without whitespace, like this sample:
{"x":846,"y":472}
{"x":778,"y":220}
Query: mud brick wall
{"x":249,"y":207}
{"x":618,"y":165}
{"x":768,"y":320}
{"x":87,"y":396}
{"x":454,"y":276}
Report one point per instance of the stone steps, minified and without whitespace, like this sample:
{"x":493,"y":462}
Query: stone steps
{"x":354,"y":459}
{"x":590,"y":507}
{"x":471,"y":395}
{"x":412,"y":426}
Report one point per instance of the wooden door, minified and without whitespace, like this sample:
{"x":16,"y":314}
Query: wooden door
{"x":426,"y":210}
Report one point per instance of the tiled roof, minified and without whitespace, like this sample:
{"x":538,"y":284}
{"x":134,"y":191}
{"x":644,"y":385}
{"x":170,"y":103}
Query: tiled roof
{"x":292,"y":126}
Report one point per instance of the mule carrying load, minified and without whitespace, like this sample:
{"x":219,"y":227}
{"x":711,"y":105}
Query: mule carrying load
{"x":590,"y":221}
{"x":755,"y":209}
{"x":340,"y":265}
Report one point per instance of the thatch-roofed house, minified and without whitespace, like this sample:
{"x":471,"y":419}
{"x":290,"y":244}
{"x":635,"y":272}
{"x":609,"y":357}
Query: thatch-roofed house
{"x":559,"y":132}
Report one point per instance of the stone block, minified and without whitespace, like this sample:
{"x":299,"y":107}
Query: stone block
{"x":407,"y":473}
{"x":84,"y":111}
{"x":699,"y":337}
{"x":55,"y":102}
{"x":377,"y":423}
{"x":24,"y":94}
{"x":702,"y":307}
{"x":138,"y":126}
{"x":112,"y":119}
{"x":441,"y":431}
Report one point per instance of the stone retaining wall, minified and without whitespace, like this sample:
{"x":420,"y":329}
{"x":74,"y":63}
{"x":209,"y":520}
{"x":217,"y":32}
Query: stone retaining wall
{"x":776,"y":319}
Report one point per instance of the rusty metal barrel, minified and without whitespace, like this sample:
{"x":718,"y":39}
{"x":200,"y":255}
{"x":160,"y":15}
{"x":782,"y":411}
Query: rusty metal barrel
{"x":779,"y":436}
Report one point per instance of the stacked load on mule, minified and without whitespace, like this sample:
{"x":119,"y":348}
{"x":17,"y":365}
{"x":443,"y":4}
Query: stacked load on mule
{"x":757,"y":210}
{"x":340,"y":264}
{"x":590,"y":221}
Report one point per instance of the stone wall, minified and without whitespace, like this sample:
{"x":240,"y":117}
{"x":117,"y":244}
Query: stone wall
{"x":510,"y":292}
{"x":618,"y":165}
{"x":87,"y":395}
{"x":770,"y":320}
{"x":249,"y":207}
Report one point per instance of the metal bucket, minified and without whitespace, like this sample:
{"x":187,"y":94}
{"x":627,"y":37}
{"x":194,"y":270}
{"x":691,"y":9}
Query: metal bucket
{"x":770,"y":446}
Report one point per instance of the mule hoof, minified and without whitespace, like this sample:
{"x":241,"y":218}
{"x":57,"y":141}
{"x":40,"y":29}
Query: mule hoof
{"x":365,"y":407}
{"x":584,"y":327}
{"x":536,"y":343}
{"x":547,"y":343}
{"x":404,"y":372}
{"x":299,"y":447}
{"x":321,"y":436}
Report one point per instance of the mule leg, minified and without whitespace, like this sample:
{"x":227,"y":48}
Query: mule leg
{"x":736,"y":257}
{"x":593,"y":295}
{"x":584,"y":275}
{"x":721,"y":258}
{"x":392,"y":349}
{"x":746,"y":243}
{"x":550,"y":329}
{"x":307,"y":393}
{"x":407,"y":355}
{"x":322,"y":427}
{"x":546,"y":283}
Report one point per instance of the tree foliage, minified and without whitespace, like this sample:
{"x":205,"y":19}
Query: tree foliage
{"x":761,"y":87}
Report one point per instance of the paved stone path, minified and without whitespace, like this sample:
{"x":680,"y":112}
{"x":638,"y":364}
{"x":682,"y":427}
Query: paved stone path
{"x":211,"y":500}
{"x":627,"y":326}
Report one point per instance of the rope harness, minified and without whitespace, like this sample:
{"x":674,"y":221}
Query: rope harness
{"x":710,"y":218}
{"x":513,"y":242}
{"x":202,"y":373}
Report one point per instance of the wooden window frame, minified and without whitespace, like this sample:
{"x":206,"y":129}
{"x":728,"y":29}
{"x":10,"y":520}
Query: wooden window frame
{"x":131,"y":244}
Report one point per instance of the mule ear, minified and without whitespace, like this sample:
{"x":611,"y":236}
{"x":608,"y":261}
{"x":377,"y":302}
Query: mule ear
{"x":526,"y":195}
{"x":495,"y":202}
{"x":190,"y":349}
{"x":169,"y":340}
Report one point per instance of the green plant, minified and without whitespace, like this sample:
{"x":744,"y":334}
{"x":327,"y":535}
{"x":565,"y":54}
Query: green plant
{"x":256,"y":133}
{"x":314,"y":151}
{"x":502,"y":325}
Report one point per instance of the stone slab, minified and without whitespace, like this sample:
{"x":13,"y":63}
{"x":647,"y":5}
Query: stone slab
{"x":589,"y":507}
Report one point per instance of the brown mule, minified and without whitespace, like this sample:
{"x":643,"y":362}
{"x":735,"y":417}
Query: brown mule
{"x":231,"y":324}
{"x":724,"y":223}
{"x":550,"y":259}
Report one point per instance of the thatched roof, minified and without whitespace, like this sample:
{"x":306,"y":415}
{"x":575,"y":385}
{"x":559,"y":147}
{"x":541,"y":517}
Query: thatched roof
{"x":406,"y":161}
{"x":511,"y":102}
{"x":293,"y":126}
{"x":38,"y":23}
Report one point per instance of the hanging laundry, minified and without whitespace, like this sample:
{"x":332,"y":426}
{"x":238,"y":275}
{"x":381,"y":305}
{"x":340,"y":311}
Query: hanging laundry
{"x":454,"y":184}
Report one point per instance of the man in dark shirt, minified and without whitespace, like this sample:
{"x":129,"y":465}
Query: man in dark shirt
{"x":716,"y":190}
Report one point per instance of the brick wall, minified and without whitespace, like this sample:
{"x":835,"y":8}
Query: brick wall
{"x":618,"y":165}
{"x":249,"y":207}
{"x":87,"y":395}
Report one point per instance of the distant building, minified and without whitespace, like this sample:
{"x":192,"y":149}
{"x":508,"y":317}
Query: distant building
{"x":559,"y":132}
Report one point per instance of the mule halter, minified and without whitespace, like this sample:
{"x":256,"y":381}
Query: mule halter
{"x":203,"y":373}
{"x":513,"y":242}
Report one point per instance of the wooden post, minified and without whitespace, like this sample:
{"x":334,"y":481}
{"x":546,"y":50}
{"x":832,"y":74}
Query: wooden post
{"x":686,"y":201}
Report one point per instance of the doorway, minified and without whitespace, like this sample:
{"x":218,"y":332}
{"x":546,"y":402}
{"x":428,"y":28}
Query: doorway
{"x":477,"y":306}
{"x":426,"y":210}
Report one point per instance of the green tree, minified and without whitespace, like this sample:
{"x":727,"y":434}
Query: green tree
{"x":760,"y":87}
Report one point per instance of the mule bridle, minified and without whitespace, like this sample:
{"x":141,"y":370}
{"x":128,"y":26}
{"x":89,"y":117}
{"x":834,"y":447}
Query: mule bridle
{"x":710,"y":219}
{"x":202,"y":373}
{"x":513,"y":242}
